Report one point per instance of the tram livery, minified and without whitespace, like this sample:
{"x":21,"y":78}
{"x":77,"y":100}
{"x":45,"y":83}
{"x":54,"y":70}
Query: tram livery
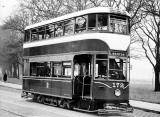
{"x":79,"y":61}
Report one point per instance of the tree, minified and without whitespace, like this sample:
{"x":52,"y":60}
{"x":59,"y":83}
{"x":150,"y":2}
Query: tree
{"x":39,"y":10}
{"x":7,"y":59}
{"x":149,"y":34}
{"x":32,"y":11}
{"x":13,"y":41}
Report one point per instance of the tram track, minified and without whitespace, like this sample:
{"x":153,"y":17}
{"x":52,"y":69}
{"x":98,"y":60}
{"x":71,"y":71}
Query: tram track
{"x":13,"y":113}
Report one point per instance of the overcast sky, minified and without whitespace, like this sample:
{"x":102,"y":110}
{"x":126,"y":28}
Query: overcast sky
{"x":6,"y":8}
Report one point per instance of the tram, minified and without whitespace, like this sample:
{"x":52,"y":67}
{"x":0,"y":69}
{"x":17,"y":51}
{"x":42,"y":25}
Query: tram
{"x":79,"y":61}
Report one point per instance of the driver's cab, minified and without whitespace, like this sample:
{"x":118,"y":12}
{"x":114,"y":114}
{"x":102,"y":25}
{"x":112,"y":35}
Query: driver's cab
{"x":99,"y":68}
{"x":83,"y":72}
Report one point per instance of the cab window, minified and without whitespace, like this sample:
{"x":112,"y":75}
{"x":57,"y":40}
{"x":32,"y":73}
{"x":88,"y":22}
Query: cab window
{"x":117,"y":69}
{"x":101,"y":67}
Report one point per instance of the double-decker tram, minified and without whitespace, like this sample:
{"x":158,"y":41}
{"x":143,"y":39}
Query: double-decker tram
{"x":79,"y":61}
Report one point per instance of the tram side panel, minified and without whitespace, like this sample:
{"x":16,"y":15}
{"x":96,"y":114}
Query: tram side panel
{"x":61,"y":88}
{"x":111,"y":91}
{"x":57,"y":88}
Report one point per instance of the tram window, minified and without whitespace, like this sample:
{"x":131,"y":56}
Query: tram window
{"x":34,"y":34}
{"x":102,"y":56}
{"x":101,"y":69}
{"x":40,"y":69}
{"x":41,"y":33}
{"x":66,"y":69}
{"x":27,"y":36}
{"x":101,"y":66}
{"x":91,"y":21}
{"x":102,"y":22}
{"x":68,"y":27}
{"x":57,"y":69}
{"x":80,"y":24}
{"x":49,"y":31}
{"x":76,"y":69}
{"x":118,"y":24}
{"x":117,"y":69}
{"x":82,"y":69}
{"x":33,"y":70}
{"x":59,"y":29}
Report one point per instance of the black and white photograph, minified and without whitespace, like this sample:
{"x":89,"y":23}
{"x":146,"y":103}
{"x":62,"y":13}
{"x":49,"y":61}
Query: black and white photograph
{"x":79,"y":58}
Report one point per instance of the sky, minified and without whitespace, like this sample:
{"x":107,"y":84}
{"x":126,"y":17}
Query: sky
{"x":141,"y":69}
{"x":7,"y":7}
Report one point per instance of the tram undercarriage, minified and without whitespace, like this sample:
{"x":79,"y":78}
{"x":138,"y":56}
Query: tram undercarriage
{"x":85,"y":105}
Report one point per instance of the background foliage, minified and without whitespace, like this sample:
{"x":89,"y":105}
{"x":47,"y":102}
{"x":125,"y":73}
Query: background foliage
{"x":145,"y":21}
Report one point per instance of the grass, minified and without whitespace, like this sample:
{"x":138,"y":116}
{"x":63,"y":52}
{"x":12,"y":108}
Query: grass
{"x":140,"y":91}
{"x":144,"y":92}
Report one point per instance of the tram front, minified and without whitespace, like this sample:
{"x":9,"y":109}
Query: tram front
{"x":111,"y":82}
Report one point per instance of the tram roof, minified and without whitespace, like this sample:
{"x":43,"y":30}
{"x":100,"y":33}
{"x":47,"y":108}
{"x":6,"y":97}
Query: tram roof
{"x":79,"y":13}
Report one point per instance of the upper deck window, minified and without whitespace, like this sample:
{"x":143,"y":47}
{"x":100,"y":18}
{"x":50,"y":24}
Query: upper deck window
{"x":80,"y":24}
{"x":102,"y":22}
{"x":118,"y":24}
{"x":41,"y":33}
{"x":69,"y":27}
{"x":59,"y":29}
{"x":92,"y":21}
{"x":34,"y":34}
{"x":49,"y":31}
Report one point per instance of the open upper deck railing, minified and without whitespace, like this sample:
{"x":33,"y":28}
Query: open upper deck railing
{"x":100,"y":19}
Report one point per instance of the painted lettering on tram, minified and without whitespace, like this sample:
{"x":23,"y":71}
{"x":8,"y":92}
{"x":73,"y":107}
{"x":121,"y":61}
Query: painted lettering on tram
{"x":118,"y":85}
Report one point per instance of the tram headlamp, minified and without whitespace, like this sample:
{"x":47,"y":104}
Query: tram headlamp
{"x":117,"y":92}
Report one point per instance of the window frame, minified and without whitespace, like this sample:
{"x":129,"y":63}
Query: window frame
{"x":36,"y":34}
{"x":43,"y":30}
{"x":86,"y":28}
{"x":107,"y":22}
{"x":37,"y":68}
{"x":107,"y":70}
{"x":66,"y":66}
{"x":126,"y":68}
{"x":126,"y":25}
{"x":60,"y":25}
{"x":81,"y":29}
{"x":72,"y":20}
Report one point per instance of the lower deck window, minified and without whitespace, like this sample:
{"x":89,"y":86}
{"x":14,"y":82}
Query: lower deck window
{"x":56,"y":69}
{"x":66,"y":69}
{"x":51,"y":69}
{"x":117,"y":69}
{"x":40,"y":69}
{"x":61,"y":69}
{"x":101,"y":66}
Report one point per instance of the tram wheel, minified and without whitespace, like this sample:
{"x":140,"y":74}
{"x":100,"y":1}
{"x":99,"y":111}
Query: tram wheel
{"x":67,"y":104}
{"x":34,"y":98}
{"x":40,"y":99}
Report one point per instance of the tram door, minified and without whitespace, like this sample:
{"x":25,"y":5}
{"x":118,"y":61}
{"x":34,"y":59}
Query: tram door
{"x":83,"y":72}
